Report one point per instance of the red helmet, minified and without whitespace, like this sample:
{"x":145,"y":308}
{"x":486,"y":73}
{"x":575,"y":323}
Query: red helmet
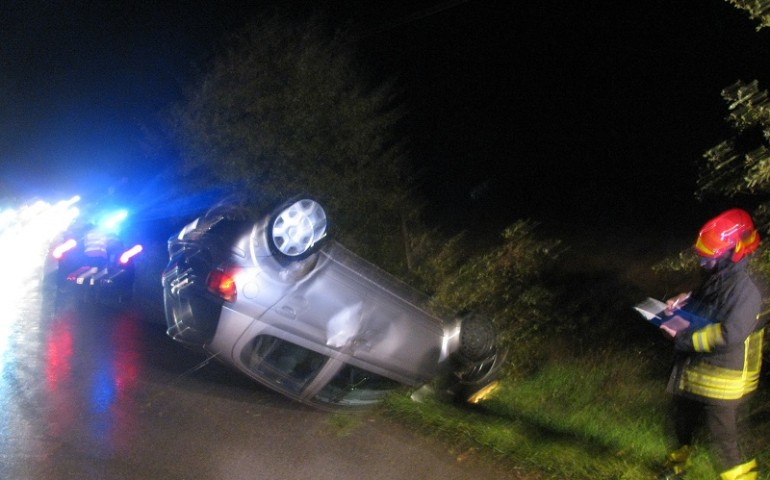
{"x":730,"y":230}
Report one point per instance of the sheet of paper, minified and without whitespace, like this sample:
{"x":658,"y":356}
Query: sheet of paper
{"x":651,"y":308}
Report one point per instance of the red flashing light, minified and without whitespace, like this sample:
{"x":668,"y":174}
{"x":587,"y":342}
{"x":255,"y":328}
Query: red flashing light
{"x":222,"y":284}
{"x":63,"y":248}
{"x":129,"y":254}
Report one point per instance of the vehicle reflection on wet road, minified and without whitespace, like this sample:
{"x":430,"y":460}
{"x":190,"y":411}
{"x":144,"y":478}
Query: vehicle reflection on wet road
{"x":101,"y":382}
{"x":91,"y":392}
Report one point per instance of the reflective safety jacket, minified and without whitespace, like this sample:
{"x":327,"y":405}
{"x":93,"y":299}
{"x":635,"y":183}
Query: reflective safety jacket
{"x":721,"y":362}
{"x":97,"y":243}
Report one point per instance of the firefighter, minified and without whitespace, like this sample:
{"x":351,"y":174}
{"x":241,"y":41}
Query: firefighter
{"x":717,"y":366}
{"x":99,"y":245}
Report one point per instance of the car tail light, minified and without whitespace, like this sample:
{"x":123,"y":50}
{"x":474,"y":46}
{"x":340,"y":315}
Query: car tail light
{"x":129,"y":254}
{"x":222,"y":285}
{"x":63,"y":248}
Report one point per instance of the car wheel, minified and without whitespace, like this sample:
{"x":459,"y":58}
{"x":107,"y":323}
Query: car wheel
{"x":477,"y":338}
{"x":297,"y":229}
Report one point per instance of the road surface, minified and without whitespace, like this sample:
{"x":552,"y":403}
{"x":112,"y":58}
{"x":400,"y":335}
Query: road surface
{"x":102,"y":393}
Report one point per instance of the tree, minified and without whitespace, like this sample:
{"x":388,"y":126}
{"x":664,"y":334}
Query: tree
{"x":758,"y":10}
{"x":284,"y":109}
{"x":741,"y":165}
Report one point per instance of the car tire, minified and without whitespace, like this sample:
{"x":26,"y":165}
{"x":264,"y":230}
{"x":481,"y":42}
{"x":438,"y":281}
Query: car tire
{"x":478,"y":338}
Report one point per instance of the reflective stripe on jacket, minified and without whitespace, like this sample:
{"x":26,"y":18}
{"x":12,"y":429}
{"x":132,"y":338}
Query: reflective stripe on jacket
{"x":706,"y":380}
{"x":95,"y":244}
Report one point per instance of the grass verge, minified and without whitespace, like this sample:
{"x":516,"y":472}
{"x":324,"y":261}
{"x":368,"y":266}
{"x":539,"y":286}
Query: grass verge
{"x":603,"y":416}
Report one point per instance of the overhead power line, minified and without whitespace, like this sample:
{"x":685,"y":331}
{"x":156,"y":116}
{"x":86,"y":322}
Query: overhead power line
{"x":412,"y":17}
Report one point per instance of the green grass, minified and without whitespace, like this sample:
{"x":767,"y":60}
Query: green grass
{"x":602,"y":416}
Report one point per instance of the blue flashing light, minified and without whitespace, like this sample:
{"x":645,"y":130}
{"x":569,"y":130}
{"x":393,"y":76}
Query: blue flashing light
{"x":113,"y":220}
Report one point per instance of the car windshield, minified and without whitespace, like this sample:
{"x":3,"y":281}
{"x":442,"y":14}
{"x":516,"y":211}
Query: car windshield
{"x":353,"y":386}
{"x":284,"y":363}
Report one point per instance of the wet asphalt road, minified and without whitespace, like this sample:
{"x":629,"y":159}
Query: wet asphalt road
{"x":103,"y":393}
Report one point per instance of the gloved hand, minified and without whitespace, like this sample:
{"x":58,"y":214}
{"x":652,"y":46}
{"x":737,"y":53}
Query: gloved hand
{"x":676,"y":302}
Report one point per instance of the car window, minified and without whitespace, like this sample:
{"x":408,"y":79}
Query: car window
{"x":286,"y":364}
{"x":353,"y":386}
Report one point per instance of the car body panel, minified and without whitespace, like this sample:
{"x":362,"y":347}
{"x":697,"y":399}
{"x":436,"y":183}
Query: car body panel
{"x":337,"y":308}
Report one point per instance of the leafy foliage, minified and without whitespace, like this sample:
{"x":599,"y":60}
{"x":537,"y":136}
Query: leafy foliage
{"x":732,"y":167}
{"x":684,"y":262}
{"x":740,"y":166}
{"x":284,"y":110}
{"x":504,"y":282}
{"x":758,"y":10}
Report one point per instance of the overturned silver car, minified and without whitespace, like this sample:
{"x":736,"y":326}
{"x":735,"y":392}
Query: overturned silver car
{"x":277,"y":299}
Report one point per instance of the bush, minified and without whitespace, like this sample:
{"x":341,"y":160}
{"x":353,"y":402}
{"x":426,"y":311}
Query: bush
{"x":505,"y":283}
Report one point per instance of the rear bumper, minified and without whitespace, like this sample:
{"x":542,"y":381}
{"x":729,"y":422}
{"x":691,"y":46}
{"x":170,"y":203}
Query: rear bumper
{"x":192,"y":314}
{"x":95,"y":284}
{"x":105,"y":278}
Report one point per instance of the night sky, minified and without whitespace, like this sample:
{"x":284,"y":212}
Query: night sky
{"x":559,"y":111}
